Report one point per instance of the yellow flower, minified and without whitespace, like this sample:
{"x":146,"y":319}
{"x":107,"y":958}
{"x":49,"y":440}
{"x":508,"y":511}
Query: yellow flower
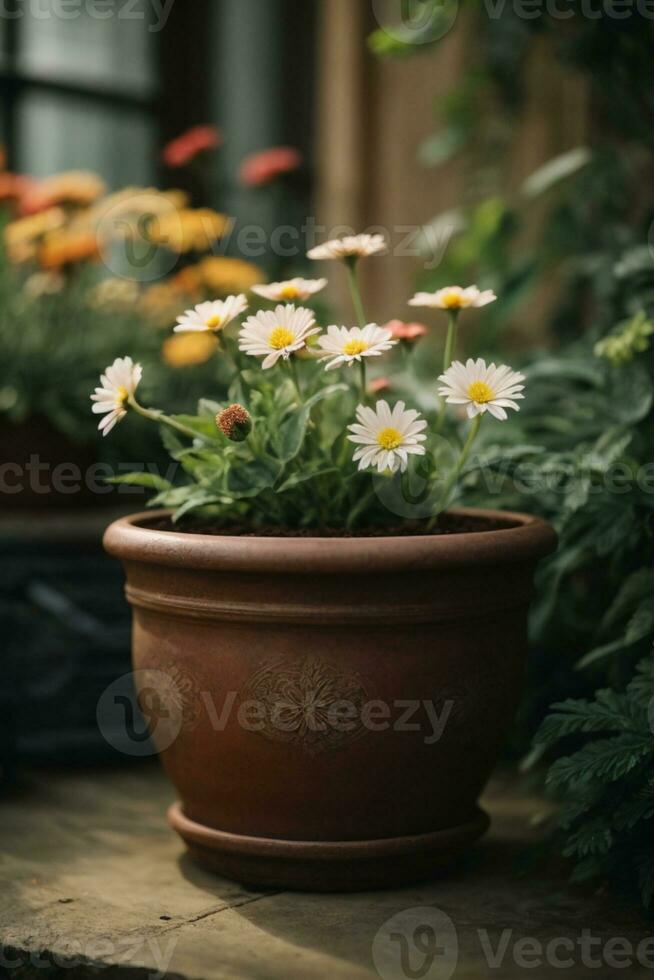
{"x":185,"y":350}
{"x":189,"y":230}
{"x":21,"y":236}
{"x":227,"y":275}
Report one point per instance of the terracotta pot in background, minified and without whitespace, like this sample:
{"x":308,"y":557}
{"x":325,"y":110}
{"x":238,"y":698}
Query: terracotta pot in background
{"x":330,"y":709}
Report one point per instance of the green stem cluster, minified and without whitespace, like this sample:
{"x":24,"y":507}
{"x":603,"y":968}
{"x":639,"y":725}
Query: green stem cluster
{"x":456,"y":472}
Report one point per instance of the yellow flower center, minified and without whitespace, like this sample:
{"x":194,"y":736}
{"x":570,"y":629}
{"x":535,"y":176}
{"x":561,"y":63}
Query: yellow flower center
{"x":452,"y":299}
{"x":122,"y":395}
{"x":214,"y":322}
{"x":280,"y":337}
{"x":290,"y":292}
{"x":480,"y":392}
{"x":354,"y":347}
{"x":389,"y":438}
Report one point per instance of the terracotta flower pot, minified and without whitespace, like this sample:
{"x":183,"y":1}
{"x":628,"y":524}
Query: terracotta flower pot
{"x":330,"y":709}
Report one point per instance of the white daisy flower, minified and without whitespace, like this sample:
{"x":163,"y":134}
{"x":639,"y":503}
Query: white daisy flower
{"x":118,"y":384}
{"x":454,"y":298}
{"x":349,"y":247}
{"x":272,"y":334}
{"x":387,"y":437}
{"x":482,"y":389}
{"x":291,"y":290}
{"x":213,"y":315}
{"x":345,"y":346}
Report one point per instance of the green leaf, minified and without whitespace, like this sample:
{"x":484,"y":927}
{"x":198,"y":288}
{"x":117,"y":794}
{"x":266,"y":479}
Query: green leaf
{"x":289,"y":437}
{"x":303,"y":477}
{"x":142,"y":479}
{"x":637,"y":586}
{"x":608,"y":712}
{"x":171,"y":442}
{"x":604,"y":759}
{"x":249,"y":479}
{"x":194,"y":502}
{"x":442,"y":146}
{"x":210,"y":408}
{"x":594,"y":837}
{"x":555,"y":170}
{"x":640,"y":626}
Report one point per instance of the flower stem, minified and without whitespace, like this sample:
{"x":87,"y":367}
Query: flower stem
{"x":155,"y":415}
{"x":456,"y":472}
{"x":364,"y":384}
{"x":357,"y":302}
{"x":450,"y":343}
{"x":450,"y":348}
{"x":295,"y":376}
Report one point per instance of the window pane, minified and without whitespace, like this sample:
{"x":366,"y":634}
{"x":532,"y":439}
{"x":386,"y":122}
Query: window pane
{"x":58,"y":132}
{"x":114,"y":52}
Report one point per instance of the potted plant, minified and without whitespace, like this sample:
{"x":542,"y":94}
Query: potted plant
{"x":329,"y":657}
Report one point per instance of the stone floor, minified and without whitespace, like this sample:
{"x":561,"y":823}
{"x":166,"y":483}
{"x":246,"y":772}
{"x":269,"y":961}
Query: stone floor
{"x":92,"y":879}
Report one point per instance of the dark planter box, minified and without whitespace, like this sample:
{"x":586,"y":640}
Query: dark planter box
{"x":66,"y":636}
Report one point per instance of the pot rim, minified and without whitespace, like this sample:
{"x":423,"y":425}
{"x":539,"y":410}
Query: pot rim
{"x":527,"y":538}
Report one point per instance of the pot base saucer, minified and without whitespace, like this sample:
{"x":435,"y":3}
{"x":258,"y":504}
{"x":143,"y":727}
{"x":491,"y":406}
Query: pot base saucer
{"x":326,"y":866}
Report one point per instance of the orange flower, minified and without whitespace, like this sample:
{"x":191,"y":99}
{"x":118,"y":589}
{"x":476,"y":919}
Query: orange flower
{"x":79,"y":188}
{"x":13,"y":187}
{"x":262,"y":168}
{"x":66,"y":247}
{"x":186,"y":147}
{"x":22,"y":236}
{"x":221,"y":274}
{"x":188,"y":281}
{"x":189,"y":349}
{"x":189,"y":230}
{"x":406,"y":331}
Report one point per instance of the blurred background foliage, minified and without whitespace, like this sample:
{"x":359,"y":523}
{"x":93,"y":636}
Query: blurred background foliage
{"x":582,"y":449}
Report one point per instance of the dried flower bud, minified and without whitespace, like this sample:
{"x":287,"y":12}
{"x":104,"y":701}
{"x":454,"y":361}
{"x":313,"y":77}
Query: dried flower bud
{"x":234,"y":422}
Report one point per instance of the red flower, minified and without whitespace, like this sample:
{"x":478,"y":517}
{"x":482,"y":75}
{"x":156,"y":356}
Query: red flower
{"x":186,"y":147}
{"x":379,"y":384}
{"x":405,"y":331}
{"x":262,"y":168}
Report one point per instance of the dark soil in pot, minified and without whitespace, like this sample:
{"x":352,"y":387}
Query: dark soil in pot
{"x":447,"y":524}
